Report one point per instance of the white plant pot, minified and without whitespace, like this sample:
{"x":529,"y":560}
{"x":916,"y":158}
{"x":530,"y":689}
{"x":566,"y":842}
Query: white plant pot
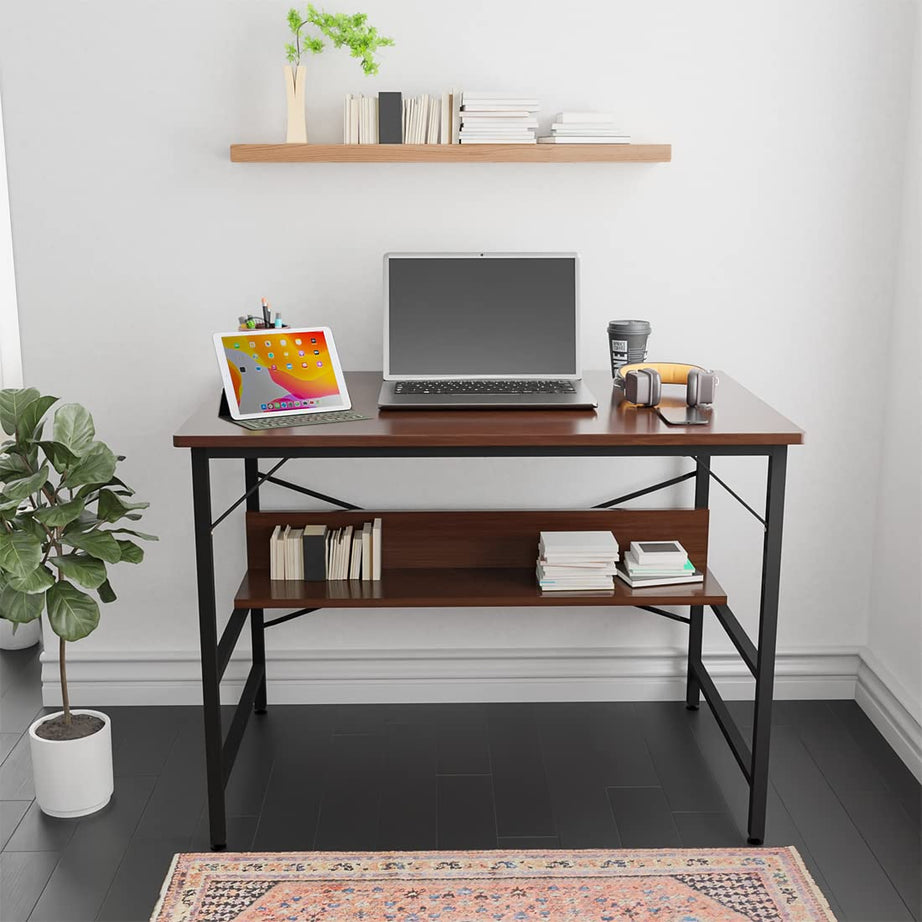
{"x":72,"y":777}
{"x":26,"y":635}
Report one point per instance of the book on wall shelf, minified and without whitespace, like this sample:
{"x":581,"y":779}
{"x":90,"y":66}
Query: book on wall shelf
{"x":488,"y":117}
{"x":316,"y":552}
{"x":585,"y":128}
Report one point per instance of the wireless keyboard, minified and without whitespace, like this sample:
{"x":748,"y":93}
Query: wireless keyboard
{"x":310,"y":419}
{"x":478,"y":387}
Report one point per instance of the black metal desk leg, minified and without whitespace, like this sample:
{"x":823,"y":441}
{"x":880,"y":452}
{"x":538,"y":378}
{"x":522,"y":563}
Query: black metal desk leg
{"x":768,"y":627}
{"x":696,"y":613}
{"x":257,"y":628}
{"x":208,"y":637}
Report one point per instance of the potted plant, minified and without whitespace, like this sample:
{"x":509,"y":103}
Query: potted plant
{"x":342,"y":30}
{"x":60,"y":506}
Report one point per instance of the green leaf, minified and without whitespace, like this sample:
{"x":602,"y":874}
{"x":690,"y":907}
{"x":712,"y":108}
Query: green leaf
{"x":20,"y":553}
{"x":12,"y":467}
{"x":96,"y":543}
{"x":111,"y":508}
{"x":27,"y":425}
{"x":88,"y":571}
{"x":60,"y":456}
{"x":72,"y":613}
{"x":20,"y":607}
{"x":96,"y":465}
{"x":131,"y":552}
{"x":61,"y":514}
{"x":27,"y":523}
{"x":13,"y":401}
{"x":73,"y":427}
{"x":37,"y":581}
{"x":128,"y":531}
{"x":106,"y":592}
{"x":18,"y":490}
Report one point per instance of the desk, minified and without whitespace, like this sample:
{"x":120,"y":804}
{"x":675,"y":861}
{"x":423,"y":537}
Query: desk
{"x":428,"y":561}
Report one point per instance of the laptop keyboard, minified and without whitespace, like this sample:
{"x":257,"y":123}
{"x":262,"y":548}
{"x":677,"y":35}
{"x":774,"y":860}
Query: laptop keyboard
{"x":478,"y":388}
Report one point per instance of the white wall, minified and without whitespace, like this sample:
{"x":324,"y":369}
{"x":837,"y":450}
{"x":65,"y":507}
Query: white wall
{"x":895,"y":611}
{"x":766,"y":249}
{"x":10,"y":355}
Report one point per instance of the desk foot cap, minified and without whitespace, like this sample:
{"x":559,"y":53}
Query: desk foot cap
{"x":218,"y":847}
{"x":260,"y":710}
{"x":692,"y":707}
{"x":752,"y":841}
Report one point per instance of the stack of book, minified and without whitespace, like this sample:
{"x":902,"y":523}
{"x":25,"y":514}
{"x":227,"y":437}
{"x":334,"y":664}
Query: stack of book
{"x":360,"y":120}
{"x":497,"y":118}
{"x":317,"y":552}
{"x":657,"y":563}
{"x":585,"y":128}
{"x":575,"y":560}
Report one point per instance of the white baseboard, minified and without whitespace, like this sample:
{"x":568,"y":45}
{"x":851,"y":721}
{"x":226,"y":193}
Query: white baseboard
{"x":891,"y":709}
{"x":420,"y":676}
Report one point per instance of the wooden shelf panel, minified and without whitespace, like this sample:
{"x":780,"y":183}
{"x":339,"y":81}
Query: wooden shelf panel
{"x":451,"y":153}
{"x":457,"y":588}
{"x":479,"y":541}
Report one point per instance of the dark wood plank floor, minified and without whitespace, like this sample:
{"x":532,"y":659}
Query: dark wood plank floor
{"x":463,"y":776}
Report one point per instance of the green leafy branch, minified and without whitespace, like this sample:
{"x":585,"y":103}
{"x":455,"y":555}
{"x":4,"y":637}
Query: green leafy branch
{"x":341,"y":29}
{"x":59,"y":498}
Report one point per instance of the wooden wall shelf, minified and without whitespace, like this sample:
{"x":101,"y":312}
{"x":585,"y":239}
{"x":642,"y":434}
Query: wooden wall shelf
{"x":451,"y":153}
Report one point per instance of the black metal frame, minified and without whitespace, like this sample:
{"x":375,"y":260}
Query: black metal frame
{"x":753,"y":757}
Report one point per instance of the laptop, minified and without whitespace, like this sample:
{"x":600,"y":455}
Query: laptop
{"x":482,"y":331}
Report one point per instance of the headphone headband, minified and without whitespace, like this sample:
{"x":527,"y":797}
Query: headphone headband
{"x":669,"y":372}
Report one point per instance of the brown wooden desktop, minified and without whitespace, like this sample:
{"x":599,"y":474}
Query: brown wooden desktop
{"x":428,"y":557}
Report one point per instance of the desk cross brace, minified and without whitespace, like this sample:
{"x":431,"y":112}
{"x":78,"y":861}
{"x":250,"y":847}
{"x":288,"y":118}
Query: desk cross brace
{"x":752,"y":756}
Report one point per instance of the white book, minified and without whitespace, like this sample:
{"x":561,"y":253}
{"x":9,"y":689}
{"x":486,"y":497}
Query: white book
{"x":557,"y":139}
{"x":374,"y":119}
{"x":294,"y":562}
{"x":578,"y":542}
{"x":473,"y":100}
{"x":586,"y":128}
{"x":435,"y":119}
{"x":283,"y":553}
{"x":456,"y":95}
{"x":659,"y":553}
{"x":405,"y":131}
{"x":355,"y":120}
{"x":490,"y":94}
{"x":423,"y":119}
{"x":523,"y":111}
{"x":584,"y":117}
{"x":346,"y":558}
{"x":550,"y":571}
{"x":366,"y":551}
{"x":639,"y":582}
{"x":274,"y":552}
{"x":328,"y":553}
{"x":355,"y":563}
{"x":376,"y":549}
{"x":494,"y":115}
{"x":363,"y":125}
{"x":497,"y":141}
{"x":499,"y":123}
{"x":445,"y":119}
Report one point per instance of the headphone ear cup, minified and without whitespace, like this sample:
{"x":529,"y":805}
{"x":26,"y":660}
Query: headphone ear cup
{"x":691,"y":388}
{"x":643,"y":387}
{"x":656,"y":386}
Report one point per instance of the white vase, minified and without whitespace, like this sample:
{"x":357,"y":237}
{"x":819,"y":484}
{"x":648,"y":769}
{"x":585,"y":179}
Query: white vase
{"x":26,"y":635}
{"x":72,"y":777}
{"x":294,"y":89}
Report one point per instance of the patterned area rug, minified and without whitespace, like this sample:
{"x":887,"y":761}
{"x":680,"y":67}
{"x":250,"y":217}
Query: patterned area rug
{"x":678,"y":885}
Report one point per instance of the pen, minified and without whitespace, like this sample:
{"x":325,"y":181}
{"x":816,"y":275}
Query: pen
{"x":265,"y":306}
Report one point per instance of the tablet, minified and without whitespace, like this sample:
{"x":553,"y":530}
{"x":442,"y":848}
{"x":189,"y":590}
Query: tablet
{"x":281,"y":372}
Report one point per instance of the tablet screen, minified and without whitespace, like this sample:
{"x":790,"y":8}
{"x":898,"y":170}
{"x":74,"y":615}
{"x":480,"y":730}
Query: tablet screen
{"x":275,"y":371}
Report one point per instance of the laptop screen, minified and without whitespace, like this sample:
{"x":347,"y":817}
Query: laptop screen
{"x":474,"y":315}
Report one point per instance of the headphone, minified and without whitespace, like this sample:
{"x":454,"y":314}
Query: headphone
{"x":642,"y":382}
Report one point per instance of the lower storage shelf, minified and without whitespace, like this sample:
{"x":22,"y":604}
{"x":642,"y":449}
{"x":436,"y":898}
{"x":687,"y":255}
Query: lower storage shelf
{"x":462,"y":587}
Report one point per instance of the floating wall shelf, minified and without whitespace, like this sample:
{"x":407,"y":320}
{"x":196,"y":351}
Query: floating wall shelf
{"x":451,"y":153}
